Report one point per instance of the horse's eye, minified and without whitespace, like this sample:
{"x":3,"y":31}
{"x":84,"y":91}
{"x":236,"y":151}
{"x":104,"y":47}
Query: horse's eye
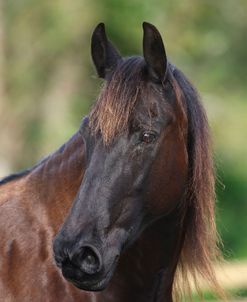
{"x":148,"y":137}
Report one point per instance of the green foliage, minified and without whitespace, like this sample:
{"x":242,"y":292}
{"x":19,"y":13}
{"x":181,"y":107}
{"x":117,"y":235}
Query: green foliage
{"x":47,"y":81}
{"x":232,"y":211}
{"x":234,"y":294}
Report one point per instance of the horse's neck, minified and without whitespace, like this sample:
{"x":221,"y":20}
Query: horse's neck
{"x":146,"y":270}
{"x":56,"y":180}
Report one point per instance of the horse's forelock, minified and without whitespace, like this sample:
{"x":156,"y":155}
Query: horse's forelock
{"x":111,"y":113}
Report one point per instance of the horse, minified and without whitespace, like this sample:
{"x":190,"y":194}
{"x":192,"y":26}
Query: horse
{"x":124,"y":210}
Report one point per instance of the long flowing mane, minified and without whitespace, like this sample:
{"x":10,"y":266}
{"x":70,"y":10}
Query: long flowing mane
{"x":201,"y":242}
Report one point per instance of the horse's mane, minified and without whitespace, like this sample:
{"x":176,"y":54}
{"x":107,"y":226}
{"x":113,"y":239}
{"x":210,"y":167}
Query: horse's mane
{"x":200,"y":249}
{"x":13,"y":177}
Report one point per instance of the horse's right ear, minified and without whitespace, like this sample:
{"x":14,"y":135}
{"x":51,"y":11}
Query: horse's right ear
{"x":104,"y":54}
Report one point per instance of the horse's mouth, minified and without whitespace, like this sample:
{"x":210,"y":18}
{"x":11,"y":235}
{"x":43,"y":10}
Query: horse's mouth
{"x":86,"y":282}
{"x":90,"y":285}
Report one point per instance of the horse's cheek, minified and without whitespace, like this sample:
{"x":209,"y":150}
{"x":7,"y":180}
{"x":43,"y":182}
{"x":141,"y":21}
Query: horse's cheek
{"x":169,"y":175}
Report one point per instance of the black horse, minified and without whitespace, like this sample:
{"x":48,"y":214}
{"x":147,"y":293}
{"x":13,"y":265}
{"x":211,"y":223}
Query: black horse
{"x":140,"y":176}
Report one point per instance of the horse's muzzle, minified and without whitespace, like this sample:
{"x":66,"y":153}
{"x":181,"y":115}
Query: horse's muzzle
{"x":82,"y":266}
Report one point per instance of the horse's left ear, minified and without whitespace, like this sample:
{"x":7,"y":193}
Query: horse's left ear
{"x":154,"y":52}
{"x":104,"y":54}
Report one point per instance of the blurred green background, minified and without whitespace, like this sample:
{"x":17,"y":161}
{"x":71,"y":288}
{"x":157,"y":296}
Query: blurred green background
{"x":48,"y":83}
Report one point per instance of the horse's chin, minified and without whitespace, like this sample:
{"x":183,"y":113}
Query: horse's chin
{"x":86,"y":282}
{"x":93,"y":285}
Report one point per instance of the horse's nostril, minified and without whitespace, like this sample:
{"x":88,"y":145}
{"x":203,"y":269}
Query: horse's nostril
{"x":86,"y":259}
{"x":89,"y":260}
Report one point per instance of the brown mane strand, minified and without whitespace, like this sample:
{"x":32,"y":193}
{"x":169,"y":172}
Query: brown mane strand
{"x":111,"y":113}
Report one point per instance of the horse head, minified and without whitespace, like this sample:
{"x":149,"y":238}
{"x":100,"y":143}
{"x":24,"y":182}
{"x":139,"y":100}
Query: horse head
{"x":136,"y":161}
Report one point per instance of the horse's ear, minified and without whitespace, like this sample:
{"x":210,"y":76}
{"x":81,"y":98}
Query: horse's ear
{"x":154,"y":52}
{"x":104,"y":54}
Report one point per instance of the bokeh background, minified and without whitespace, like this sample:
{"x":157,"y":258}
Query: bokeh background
{"x":48,"y":83}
